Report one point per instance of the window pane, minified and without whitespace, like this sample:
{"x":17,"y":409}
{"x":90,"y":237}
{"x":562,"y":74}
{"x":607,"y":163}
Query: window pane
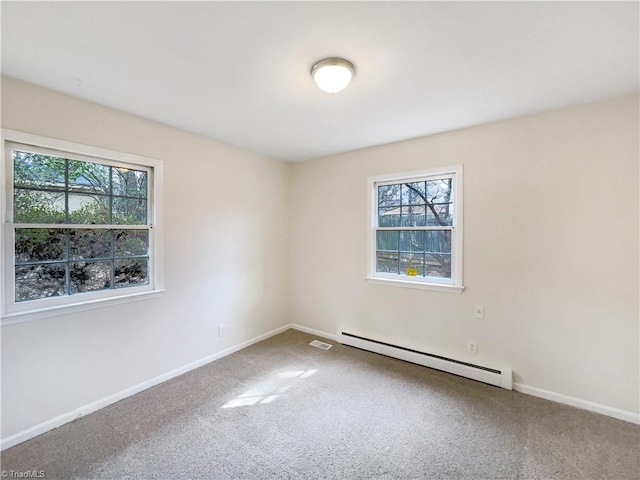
{"x":412,"y":264}
{"x":31,"y":206}
{"x":389,"y":217}
{"x":34,"y":170}
{"x":131,"y":242}
{"x":412,"y":241}
{"x":438,"y":241}
{"x":387,"y":262}
{"x":129,"y":211}
{"x":389,"y":195}
{"x":438,"y":266}
{"x":413,"y":216}
{"x":413,"y":193}
{"x":129,"y":183}
{"x":40,"y":244}
{"x":89,"y":276}
{"x":88,"y":209}
{"x":130,"y":272}
{"x":387,"y":240}
{"x":39,"y":281}
{"x":440,"y":215}
{"x":86,"y":244}
{"x":440,"y":209}
{"x":439,"y":191}
{"x":89,"y":177}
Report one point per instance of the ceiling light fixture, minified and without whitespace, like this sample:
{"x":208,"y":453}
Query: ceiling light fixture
{"x":332,"y":75}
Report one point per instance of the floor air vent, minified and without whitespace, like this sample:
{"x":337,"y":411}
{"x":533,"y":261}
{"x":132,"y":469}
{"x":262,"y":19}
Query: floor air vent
{"x":322,"y":345}
{"x":492,"y":376}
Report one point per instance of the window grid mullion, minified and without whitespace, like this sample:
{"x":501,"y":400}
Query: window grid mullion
{"x":75,"y":260}
{"x":112,"y":236}
{"x":111,"y":195}
{"x":41,"y":262}
{"x":399,"y":233}
{"x":79,"y":226}
{"x":67,"y":270}
{"x":428,"y":252}
{"x":422,"y":227}
{"x":72,"y":190}
{"x":66,"y":191}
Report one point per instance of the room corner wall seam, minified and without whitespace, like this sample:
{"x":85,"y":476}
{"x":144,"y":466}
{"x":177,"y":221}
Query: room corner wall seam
{"x":313,"y":331}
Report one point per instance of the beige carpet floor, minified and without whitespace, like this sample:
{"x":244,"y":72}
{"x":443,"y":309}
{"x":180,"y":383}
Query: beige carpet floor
{"x":282,"y":409}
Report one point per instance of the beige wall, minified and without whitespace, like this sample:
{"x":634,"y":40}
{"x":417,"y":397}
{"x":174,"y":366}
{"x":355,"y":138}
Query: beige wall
{"x":226,"y":261}
{"x":551,"y":250}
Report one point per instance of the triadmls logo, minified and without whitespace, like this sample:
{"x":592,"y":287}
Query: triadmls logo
{"x":24,"y":474}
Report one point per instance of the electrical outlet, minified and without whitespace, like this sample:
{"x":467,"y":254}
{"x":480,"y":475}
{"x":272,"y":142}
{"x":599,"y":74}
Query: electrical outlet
{"x":472,"y":347}
{"x":478,"y":312}
{"x":221,"y":329}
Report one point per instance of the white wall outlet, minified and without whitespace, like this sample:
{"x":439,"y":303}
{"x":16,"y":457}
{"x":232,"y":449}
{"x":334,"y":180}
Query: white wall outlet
{"x":478,"y":312}
{"x":472,"y":347}
{"x":221,"y":329}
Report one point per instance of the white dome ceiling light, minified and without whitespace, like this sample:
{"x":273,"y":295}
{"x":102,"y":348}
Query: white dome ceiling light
{"x":332,"y":75}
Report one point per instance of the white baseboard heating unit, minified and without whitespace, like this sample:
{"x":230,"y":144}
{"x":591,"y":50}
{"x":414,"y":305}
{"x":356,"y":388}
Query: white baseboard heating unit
{"x":492,"y":376}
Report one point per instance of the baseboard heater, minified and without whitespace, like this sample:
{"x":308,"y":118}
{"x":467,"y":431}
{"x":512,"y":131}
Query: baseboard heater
{"x":492,"y":376}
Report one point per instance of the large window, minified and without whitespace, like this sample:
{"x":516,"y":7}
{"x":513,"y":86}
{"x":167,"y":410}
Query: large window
{"x":78,"y":227}
{"x":416,"y":229}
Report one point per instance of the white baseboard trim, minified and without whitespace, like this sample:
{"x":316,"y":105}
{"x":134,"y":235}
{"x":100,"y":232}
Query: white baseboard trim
{"x":527,"y":389}
{"x":312,"y":331}
{"x":60,"y":420}
{"x":579,"y":403}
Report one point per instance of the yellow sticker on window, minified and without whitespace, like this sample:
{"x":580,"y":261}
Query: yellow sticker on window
{"x":412,"y":272}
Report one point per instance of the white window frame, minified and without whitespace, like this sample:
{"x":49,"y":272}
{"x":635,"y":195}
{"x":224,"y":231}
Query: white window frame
{"x":452,"y":285}
{"x":15,"y":312}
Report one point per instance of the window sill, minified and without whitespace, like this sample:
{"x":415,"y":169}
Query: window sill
{"x":436,"y":287}
{"x":20,"y":317}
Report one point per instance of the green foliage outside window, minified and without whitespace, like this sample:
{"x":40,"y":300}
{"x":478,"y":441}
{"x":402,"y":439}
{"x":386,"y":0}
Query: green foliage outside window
{"x":72,"y":259}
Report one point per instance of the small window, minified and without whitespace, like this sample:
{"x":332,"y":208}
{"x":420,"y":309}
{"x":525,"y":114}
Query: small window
{"x":416,"y":229}
{"x":78,"y":228}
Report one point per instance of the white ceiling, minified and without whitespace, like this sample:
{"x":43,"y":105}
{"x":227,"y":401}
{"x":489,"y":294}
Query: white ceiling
{"x":238,"y":72}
